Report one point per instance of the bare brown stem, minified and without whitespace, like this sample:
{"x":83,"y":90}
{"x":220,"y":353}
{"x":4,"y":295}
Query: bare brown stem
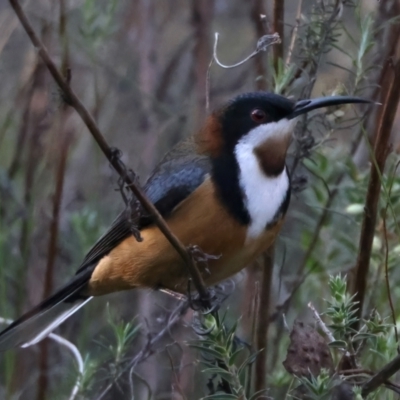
{"x":52,"y":249}
{"x":277,"y":26}
{"x":381,"y":376}
{"x":385,"y":234}
{"x":381,"y":150}
{"x":294,"y":34}
{"x":256,"y":12}
{"x":111,"y":154}
{"x":202,"y":12}
{"x":264,"y":298}
{"x":263,"y":320}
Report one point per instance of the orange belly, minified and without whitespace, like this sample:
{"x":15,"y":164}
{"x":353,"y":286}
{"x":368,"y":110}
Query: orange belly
{"x":199,"y":220}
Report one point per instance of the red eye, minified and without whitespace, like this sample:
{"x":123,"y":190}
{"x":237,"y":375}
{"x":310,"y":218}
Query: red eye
{"x":258,"y":116}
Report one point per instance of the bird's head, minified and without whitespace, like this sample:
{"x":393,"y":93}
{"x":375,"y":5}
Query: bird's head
{"x":259,"y":123}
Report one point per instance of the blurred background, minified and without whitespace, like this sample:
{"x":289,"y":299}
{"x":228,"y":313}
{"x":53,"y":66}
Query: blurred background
{"x":140,"y":67}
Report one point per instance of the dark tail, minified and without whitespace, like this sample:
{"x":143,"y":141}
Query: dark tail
{"x":37,"y":323}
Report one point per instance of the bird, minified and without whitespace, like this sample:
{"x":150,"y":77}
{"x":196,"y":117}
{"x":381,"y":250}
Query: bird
{"x":226,"y":190}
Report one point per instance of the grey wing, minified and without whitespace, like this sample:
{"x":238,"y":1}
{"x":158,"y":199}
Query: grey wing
{"x":178,"y":174}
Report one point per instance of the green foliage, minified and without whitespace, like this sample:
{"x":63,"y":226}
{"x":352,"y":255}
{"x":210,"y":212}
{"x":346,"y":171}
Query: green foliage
{"x":86,"y":227}
{"x":87,"y":379}
{"x":108,"y":365}
{"x":282,"y":76}
{"x":372,"y":345}
{"x":319,"y":387}
{"x":124,"y":333}
{"x":98,"y":21}
{"x":221,"y":351}
{"x":341,"y":308}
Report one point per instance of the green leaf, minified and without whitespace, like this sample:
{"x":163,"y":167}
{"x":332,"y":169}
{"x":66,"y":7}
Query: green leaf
{"x":213,"y":352}
{"x":255,"y":395}
{"x":220,"y":372}
{"x":362,"y":336}
{"x":220,"y":396}
{"x":233,"y":357}
{"x":338,"y":344}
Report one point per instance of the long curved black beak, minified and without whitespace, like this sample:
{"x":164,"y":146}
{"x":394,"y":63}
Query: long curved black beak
{"x":304,"y":106}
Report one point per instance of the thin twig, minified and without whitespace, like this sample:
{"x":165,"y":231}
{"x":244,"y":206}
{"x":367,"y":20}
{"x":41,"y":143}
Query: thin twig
{"x":262,"y":45}
{"x":176,"y":383}
{"x":60,"y":169}
{"x":208,"y":85}
{"x":258,"y":16}
{"x":321,"y":323}
{"x":141,"y":379}
{"x":73,"y":350}
{"x":262,"y":326}
{"x":148,"y":349}
{"x":52,"y":249}
{"x":254,"y":313}
{"x":202,"y":18}
{"x":277,"y":26}
{"x":294,"y":34}
{"x":78,"y":358}
{"x":112,"y":155}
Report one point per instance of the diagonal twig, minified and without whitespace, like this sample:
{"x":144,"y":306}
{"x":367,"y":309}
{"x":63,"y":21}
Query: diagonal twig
{"x":112,"y":155}
{"x":381,"y":376}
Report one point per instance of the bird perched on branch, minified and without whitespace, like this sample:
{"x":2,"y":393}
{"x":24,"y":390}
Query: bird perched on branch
{"x":227,"y":192}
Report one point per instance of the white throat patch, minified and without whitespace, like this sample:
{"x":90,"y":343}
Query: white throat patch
{"x":263,"y":195}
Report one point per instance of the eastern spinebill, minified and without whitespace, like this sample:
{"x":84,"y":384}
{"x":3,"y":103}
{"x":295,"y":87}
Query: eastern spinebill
{"x":226,"y":190}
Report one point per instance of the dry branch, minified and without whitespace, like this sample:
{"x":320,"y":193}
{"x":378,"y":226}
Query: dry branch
{"x":262,"y":328}
{"x":112,"y":155}
{"x":381,"y":376}
{"x":277,"y":26}
{"x":381,"y":150}
{"x":258,"y":16}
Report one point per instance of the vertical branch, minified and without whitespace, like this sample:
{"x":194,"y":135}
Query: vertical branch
{"x":28,"y":163}
{"x":277,"y":26}
{"x":380,"y":153}
{"x":386,"y":263}
{"x":21,"y":142}
{"x":34,"y":152}
{"x":202,"y":13}
{"x":257,"y":12}
{"x":386,"y":45}
{"x":147,"y":76}
{"x":263,"y":320}
{"x":52,"y":247}
{"x":294,"y":34}
{"x":379,"y":127}
{"x":264,"y":293}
